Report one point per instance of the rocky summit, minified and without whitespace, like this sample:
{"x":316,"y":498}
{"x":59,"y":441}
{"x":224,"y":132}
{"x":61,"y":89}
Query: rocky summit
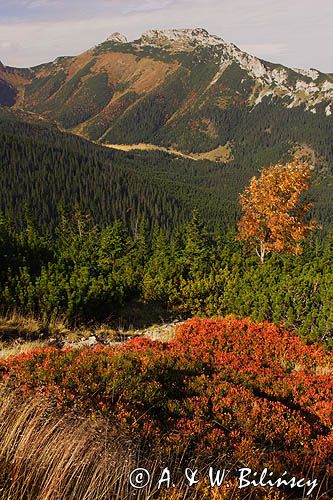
{"x":186,"y":39}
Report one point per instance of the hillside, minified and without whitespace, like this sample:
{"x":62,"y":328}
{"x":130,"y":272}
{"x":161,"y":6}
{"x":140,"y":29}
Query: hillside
{"x":225,"y":394}
{"x":43,"y":168}
{"x":184,"y":89}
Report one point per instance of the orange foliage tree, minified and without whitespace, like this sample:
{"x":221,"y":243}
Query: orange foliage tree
{"x":274,"y":217}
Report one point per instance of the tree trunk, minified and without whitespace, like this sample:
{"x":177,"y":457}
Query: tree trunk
{"x":262,"y":252}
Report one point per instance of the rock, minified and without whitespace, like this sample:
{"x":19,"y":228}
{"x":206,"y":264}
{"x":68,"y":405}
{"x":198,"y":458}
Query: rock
{"x":186,"y":38}
{"x":89,"y":342}
{"x":117,"y":38}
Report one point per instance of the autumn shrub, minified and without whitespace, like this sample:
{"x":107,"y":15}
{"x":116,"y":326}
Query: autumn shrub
{"x":224,"y":391}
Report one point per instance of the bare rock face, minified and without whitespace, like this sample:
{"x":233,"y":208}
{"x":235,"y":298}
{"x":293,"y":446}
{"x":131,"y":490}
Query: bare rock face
{"x":186,"y":38}
{"x":117,"y":38}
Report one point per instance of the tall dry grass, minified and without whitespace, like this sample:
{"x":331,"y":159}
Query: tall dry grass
{"x":14,"y":325}
{"x":45,"y":455}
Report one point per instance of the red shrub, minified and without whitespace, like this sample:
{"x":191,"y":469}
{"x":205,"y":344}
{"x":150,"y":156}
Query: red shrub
{"x":225,"y":388}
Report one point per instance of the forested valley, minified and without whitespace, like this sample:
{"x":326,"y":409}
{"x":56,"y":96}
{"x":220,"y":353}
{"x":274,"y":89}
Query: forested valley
{"x":42,"y":168}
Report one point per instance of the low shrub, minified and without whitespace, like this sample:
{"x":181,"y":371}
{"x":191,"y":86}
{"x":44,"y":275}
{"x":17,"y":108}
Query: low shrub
{"x":224,"y":391}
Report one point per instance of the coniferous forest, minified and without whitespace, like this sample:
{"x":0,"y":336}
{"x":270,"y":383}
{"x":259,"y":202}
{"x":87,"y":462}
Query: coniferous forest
{"x":43,"y":169}
{"x":86,"y":230}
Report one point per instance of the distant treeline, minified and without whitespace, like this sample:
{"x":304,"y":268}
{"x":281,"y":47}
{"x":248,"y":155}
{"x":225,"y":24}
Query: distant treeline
{"x":88,"y":272}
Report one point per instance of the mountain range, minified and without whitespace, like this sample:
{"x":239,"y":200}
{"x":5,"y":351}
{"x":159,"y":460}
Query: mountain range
{"x":186,"y":94}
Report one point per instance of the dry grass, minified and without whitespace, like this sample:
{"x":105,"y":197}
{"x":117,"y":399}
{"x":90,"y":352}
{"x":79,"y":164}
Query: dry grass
{"x":137,"y":319}
{"x":15,"y":323}
{"x":221,"y":153}
{"x":45,"y":455}
{"x":20,"y":333}
{"x":19,"y":348}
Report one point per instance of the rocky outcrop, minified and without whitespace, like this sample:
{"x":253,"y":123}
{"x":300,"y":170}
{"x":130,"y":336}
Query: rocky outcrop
{"x":186,"y":38}
{"x":117,"y":38}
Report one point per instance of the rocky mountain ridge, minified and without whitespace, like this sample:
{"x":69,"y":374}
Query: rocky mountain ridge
{"x":311,"y":88}
{"x":161,"y":88}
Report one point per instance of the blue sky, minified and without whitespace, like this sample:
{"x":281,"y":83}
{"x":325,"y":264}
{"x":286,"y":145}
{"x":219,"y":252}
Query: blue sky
{"x":297,"y":33}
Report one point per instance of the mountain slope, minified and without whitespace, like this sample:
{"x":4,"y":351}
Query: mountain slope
{"x":184,"y":89}
{"x":43,"y":167}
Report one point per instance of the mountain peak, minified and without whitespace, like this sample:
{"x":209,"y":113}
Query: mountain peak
{"x":117,"y":38}
{"x":184,"y":38}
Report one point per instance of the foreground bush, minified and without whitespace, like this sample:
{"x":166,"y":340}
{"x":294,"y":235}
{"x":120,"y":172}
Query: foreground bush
{"x":225,"y":391}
